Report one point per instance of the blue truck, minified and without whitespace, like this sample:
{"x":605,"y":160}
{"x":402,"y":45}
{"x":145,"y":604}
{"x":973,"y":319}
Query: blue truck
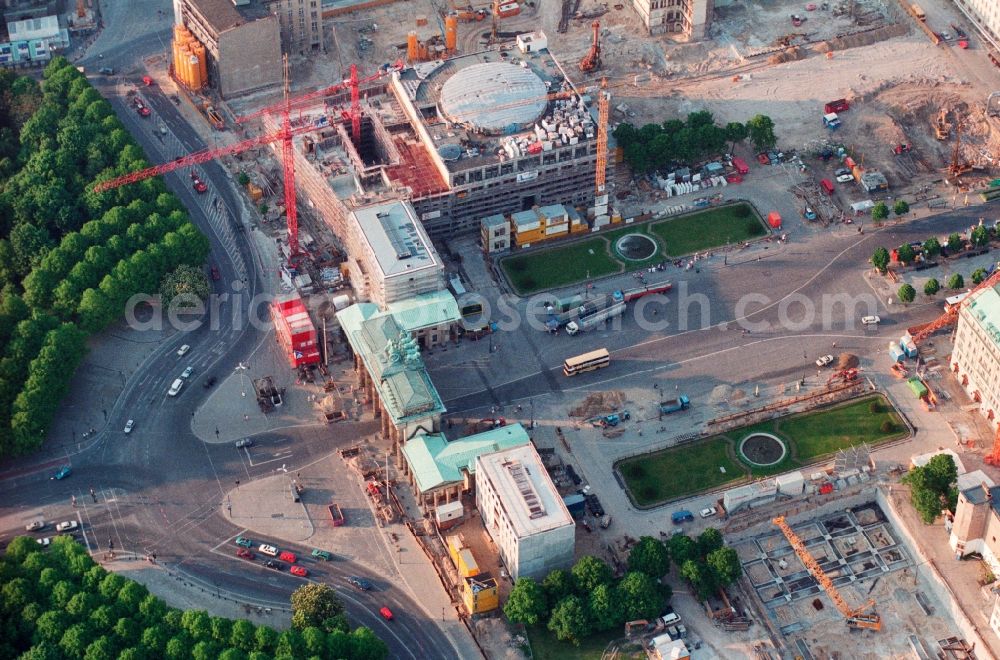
{"x":682,"y":516}
{"x":673,"y":405}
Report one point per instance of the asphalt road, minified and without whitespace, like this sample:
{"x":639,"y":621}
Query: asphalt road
{"x":163,"y":494}
{"x":704,"y":315}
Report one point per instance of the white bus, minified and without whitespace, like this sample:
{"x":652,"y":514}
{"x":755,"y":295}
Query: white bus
{"x":586,"y":362}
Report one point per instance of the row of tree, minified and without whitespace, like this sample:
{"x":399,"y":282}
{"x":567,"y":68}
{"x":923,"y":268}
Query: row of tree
{"x":64,"y":275}
{"x":980,"y":236}
{"x":881,"y":210}
{"x":588,"y":598}
{"x":677,"y":142}
{"x":58,"y":603}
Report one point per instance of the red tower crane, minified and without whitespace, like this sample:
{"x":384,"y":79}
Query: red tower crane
{"x":285,"y":134}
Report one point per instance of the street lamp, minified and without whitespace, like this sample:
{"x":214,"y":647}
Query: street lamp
{"x":242,"y":367}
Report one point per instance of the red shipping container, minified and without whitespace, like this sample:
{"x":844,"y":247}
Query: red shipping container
{"x":740,"y":165}
{"x":774,"y":219}
{"x":827,"y":186}
{"x":840,"y":105}
{"x":849,"y":163}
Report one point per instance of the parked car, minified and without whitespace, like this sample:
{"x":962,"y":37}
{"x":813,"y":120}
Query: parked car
{"x":360,"y":583}
{"x":841,"y":171}
{"x":268,"y":550}
{"x":244,"y":442}
{"x":322,"y":555}
{"x":709,"y":512}
{"x":128,"y":425}
{"x":35,"y":525}
{"x":845,"y":178}
{"x":386,"y":613}
{"x":106,"y":71}
{"x":870,"y":320}
{"x":244,"y":542}
{"x":63,"y":472}
{"x":187,"y":372}
{"x":823,"y":361}
{"x":288,"y":556}
{"x":182,"y":351}
{"x":67,"y":526}
{"x":243,"y":553}
{"x":682,"y":516}
{"x":44,"y":542}
{"x":300,"y":571}
{"x":270,"y":563}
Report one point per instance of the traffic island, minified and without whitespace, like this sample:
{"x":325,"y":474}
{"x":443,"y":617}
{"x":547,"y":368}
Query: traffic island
{"x":763,"y":449}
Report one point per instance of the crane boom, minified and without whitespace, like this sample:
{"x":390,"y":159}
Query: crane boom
{"x":856,"y":617}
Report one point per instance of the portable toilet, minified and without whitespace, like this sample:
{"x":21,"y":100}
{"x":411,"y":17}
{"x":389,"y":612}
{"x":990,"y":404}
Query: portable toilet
{"x":896,"y":352}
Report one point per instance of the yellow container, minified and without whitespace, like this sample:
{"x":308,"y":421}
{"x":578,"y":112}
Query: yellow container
{"x":467,"y":566}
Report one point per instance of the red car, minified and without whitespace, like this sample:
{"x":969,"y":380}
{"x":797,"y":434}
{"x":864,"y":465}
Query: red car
{"x":215,"y":273}
{"x":298,"y":570}
{"x":243,"y":553}
{"x":288,"y":556}
{"x":199,"y":185}
{"x":141,"y":108}
{"x":386,"y":613}
{"x":147,"y":81}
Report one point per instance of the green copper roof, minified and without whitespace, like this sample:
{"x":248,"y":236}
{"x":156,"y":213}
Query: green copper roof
{"x":436,"y":462}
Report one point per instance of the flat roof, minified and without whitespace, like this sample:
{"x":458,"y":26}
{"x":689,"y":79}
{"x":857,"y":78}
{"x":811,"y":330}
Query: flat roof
{"x":529,"y":498}
{"x":436,"y":462}
{"x":397,"y":237}
{"x":426,"y":310}
{"x":393,"y":361}
{"x":495,"y":220}
{"x":220,"y":14}
{"x":984,"y":309}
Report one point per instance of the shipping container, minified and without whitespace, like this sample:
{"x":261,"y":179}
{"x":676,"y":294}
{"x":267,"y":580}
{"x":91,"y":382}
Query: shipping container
{"x":740,"y":165}
{"x":827,"y":186}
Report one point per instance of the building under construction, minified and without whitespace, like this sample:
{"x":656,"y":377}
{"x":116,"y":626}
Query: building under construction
{"x":460,"y":139}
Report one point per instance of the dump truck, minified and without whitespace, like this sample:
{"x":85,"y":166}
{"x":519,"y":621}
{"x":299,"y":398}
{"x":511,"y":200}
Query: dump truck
{"x":336,"y":515}
{"x":831,"y":121}
{"x":840,"y":105}
{"x":673,"y":405}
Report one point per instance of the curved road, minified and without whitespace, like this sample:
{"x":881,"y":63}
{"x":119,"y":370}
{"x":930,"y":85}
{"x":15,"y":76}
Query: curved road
{"x":162,"y":493}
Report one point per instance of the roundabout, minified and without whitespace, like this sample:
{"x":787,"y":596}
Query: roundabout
{"x":763,"y":449}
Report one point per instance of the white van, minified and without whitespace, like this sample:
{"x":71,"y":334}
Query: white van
{"x":175,"y":388}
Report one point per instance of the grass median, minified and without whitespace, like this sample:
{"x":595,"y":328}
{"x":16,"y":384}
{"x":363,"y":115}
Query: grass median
{"x":668,"y":474}
{"x":709,"y":229}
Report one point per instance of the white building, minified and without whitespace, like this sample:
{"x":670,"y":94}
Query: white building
{"x":984,"y":12}
{"x":976,"y":356}
{"x":691,"y":18}
{"x":391,"y":257}
{"x":523,"y":512}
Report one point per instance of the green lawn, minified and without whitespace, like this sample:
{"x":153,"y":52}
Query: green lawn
{"x":548,"y":268}
{"x":544,"y":646}
{"x":708,"y":229}
{"x":671,"y":473}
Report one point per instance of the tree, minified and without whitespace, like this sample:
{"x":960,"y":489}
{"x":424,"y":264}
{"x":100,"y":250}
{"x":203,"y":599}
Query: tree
{"x":640,"y":596}
{"x":956,"y":281}
{"x":241,"y":635}
{"x":980,"y":236}
{"x":185,"y":280}
{"x":932,"y":247}
{"x":605,"y":607}
{"x":906,"y":254}
{"x":315,"y":604}
{"x":700,"y":578}
{"x":978,"y":275}
{"x":901,"y":207}
{"x":526,"y":603}
{"x":735,"y":133}
{"x":682,"y":548}
{"x":242,"y":179}
{"x":906,"y":293}
{"x":932,"y":286}
{"x":880,"y":259}
{"x":649,"y":556}
{"x":589,"y":572}
{"x":955,"y":243}
{"x":569,"y":620}
{"x":725,"y":564}
{"x":932,"y":487}
{"x":880,"y":211}
{"x":366,"y":646}
{"x":709,"y":541}
{"x":557,"y":585}
{"x":760,"y":129}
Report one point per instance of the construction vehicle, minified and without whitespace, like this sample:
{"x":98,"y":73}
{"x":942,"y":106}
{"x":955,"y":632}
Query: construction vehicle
{"x":942,"y":129}
{"x":899,"y":370}
{"x":592,"y":318}
{"x":283,"y":134}
{"x":614,"y":419}
{"x":844,"y":376}
{"x":902,"y":148}
{"x":673,"y":405}
{"x":863,"y":617}
{"x":808,"y":213}
{"x":592,"y":60}
{"x":958,"y":167}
